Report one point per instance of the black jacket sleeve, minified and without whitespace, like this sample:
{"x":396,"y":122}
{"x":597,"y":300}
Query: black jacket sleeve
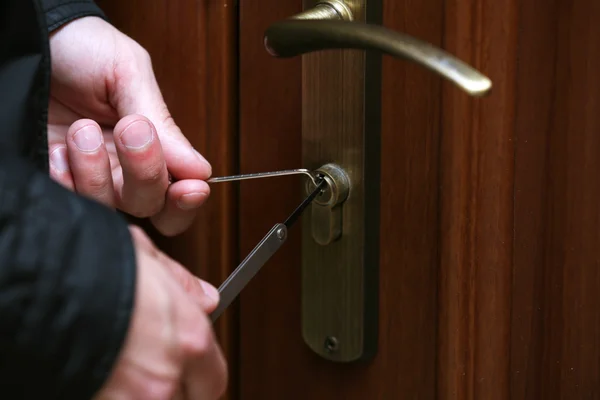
{"x":59,"y":12}
{"x":67,"y":277}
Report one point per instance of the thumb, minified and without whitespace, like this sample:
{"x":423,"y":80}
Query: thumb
{"x":139,"y":93}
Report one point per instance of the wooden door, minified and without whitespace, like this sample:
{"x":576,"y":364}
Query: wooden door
{"x":490,"y":222}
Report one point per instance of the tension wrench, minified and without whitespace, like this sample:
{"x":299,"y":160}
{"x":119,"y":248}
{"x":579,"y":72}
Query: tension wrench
{"x":258,"y":257}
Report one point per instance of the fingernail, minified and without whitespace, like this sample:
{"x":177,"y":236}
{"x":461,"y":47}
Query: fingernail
{"x":88,"y":139}
{"x":191,"y":200}
{"x":210,"y":290}
{"x":137,"y":136}
{"x":59,"y":160}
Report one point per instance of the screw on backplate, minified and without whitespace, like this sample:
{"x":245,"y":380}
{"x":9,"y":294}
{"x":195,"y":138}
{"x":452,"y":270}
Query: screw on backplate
{"x":281,"y":233}
{"x":331,"y":344}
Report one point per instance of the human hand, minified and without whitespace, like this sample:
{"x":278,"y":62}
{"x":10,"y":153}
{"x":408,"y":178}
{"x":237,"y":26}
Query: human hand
{"x":170,"y":352}
{"x":110,"y":134}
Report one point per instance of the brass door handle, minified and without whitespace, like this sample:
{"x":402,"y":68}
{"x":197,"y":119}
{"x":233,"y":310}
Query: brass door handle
{"x":329,"y":26}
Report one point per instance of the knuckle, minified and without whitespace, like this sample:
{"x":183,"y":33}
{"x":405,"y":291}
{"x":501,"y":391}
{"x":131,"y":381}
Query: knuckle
{"x":186,"y":282}
{"x":198,"y":341}
{"x":167,"y":119}
{"x":142,"y":54}
{"x":198,"y":345}
{"x":151,"y":177}
{"x":98,"y":182}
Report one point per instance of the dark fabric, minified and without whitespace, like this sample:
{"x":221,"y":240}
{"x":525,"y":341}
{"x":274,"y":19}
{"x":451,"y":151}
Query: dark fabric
{"x":67,"y":264}
{"x":59,"y":12}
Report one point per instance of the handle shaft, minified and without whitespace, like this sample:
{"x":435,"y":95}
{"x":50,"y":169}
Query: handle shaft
{"x":243,"y":274}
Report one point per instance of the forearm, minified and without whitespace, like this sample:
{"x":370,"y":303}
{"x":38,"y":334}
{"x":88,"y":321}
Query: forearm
{"x":60,"y":12}
{"x":67,"y":277}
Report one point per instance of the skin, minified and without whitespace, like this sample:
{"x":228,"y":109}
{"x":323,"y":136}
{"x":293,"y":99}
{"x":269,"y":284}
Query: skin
{"x":111,"y":138}
{"x":171,"y":351}
{"x":104,"y":97}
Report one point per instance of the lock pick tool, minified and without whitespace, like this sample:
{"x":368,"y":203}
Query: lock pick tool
{"x":269,"y":245}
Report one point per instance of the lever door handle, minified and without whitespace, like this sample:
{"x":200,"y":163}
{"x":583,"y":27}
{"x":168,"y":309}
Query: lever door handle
{"x":329,"y":26}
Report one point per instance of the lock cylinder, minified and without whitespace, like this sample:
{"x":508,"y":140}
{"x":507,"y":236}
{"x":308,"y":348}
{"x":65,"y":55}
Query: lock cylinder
{"x":326,"y":210}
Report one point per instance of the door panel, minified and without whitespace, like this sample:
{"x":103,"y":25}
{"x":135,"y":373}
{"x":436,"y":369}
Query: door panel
{"x":556,"y":281}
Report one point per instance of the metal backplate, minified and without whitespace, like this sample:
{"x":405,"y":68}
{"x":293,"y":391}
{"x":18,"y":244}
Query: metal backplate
{"x":341,"y":125}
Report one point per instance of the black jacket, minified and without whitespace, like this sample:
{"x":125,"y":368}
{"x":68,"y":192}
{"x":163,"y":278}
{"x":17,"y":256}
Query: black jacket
{"x":67,"y":265}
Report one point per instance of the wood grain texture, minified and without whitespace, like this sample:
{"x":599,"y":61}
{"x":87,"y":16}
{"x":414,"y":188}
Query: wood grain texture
{"x":556,"y":307}
{"x":193,"y":45}
{"x":476,"y":206}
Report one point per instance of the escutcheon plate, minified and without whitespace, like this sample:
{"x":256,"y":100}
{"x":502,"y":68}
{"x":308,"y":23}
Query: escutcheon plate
{"x":341,"y":125}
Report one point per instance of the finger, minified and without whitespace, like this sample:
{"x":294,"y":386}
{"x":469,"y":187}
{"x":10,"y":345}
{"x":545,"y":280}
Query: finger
{"x":206,"y":374}
{"x":184,"y":162}
{"x":183,"y":200}
{"x":59,"y":166}
{"x":88,"y":159}
{"x":145,"y":177}
{"x":203,"y":293}
{"x":139,"y":94}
